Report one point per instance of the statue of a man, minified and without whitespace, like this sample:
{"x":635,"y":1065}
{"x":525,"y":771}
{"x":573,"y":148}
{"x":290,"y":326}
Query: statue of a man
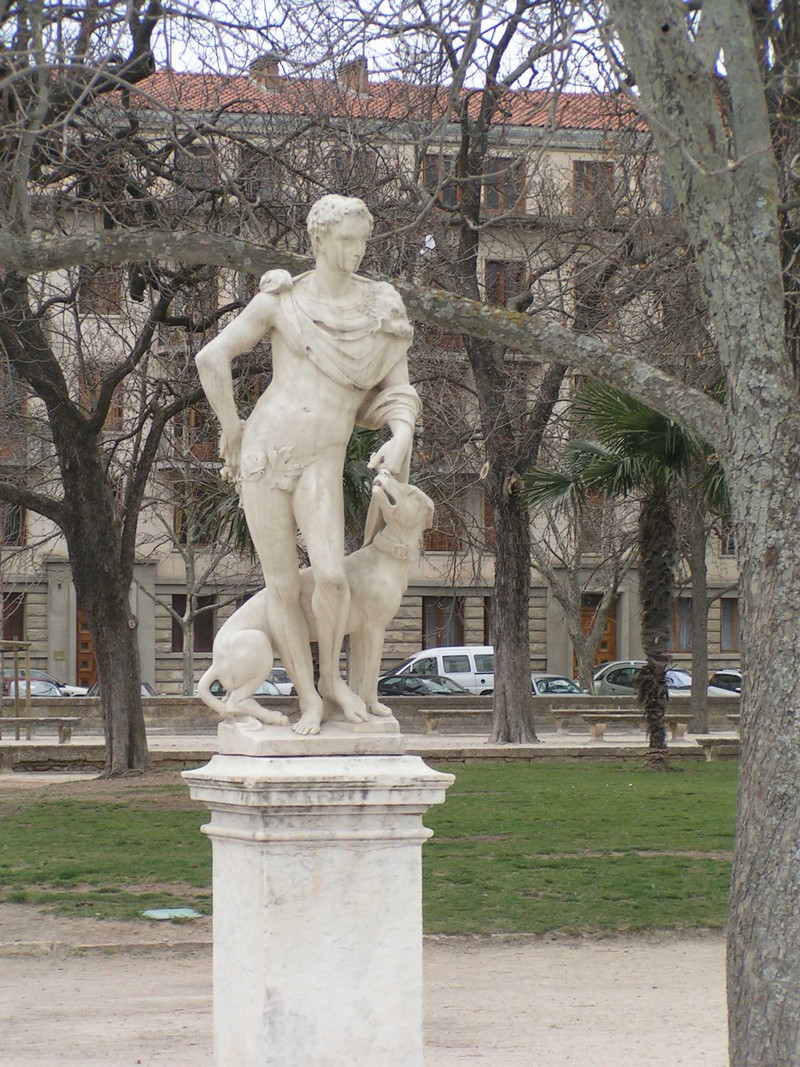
{"x":339,"y":345}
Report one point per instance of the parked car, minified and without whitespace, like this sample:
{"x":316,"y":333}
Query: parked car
{"x":472,"y":666}
{"x":43,"y":676}
{"x":38,"y":687}
{"x":266,"y":689}
{"x":145,"y":689}
{"x":281,"y":680}
{"x":616,"y":679}
{"x":729,"y":679}
{"x":543,"y":684}
{"x":413,"y":685}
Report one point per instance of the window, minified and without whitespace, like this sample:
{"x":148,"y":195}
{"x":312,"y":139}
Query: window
{"x":442,"y":621}
{"x":195,"y":168}
{"x":198,"y":301}
{"x":439,"y":179}
{"x":196,"y":432}
{"x":593,"y":188}
{"x":100,"y":289}
{"x":487,"y":621}
{"x":13,"y":523}
{"x":729,"y":625}
{"x":489,"y":535}
{"x":202,"y":624}
{"x":455,"y":664}
{"x":258,"y":175}
{"x":503,"y":280}
{"x":485,"y":664}
{"x":13,"y":616}
{"x":727,"y":538}
{"x":426,"y":665}
{"x":503,"y":185}
{"x":683,"y":625}
{"x":443,"y":535}
{"x":90,"y":385}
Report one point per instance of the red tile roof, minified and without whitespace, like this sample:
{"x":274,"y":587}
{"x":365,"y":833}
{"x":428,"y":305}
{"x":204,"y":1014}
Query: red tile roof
{"x":386,"y":101}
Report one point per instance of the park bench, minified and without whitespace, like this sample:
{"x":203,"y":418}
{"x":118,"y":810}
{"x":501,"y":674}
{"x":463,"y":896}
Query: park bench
{"x":564,"y":716}
{"x":718,"y":746}
{"x":29,"y":723}
{"x":677,"y":721}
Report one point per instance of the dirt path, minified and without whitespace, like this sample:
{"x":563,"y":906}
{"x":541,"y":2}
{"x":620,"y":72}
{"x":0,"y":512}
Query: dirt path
{"x":655,"y":1001}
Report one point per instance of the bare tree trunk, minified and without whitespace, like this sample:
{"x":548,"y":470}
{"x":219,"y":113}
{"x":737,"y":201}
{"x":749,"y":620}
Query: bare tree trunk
{"x":513,"y":701}
{"x":699,"y":614}
{"x":658,"y":551}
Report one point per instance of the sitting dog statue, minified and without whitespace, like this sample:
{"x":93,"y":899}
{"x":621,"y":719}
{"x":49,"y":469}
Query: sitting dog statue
{"x":377,"y":575}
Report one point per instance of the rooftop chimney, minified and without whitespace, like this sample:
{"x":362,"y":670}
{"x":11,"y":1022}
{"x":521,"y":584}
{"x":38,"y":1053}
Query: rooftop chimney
{"x":354,"y":76}
{"x":266,"y":70}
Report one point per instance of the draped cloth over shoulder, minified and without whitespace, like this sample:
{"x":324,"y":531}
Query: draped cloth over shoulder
{"x":357,"y":350}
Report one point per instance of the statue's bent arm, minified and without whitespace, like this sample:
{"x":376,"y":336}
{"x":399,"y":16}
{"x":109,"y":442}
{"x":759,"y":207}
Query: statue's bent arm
{"x":214,"y":368}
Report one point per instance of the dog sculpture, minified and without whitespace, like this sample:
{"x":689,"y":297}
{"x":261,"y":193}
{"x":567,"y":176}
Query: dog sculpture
{"x":377,"y":575}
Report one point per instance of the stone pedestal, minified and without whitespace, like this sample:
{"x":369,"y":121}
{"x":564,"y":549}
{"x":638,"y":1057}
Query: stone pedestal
{"x":317,"y":903}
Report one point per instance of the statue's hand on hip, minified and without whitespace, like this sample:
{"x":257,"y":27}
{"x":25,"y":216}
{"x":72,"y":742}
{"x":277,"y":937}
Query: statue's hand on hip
{"x":230,"y":450}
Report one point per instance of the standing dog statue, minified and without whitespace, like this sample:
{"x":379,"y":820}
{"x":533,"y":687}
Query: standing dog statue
{"x":377,"y":575}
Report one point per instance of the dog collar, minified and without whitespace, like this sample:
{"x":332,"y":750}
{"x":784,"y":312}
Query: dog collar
{"x":391,"y":548}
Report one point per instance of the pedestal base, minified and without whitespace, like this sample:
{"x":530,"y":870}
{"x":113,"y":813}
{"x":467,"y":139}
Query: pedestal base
{"x":317,"y":907}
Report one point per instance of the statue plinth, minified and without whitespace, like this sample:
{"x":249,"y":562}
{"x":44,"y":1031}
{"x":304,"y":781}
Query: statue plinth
{"x":318,"y":903}
{"x":379,"y":737}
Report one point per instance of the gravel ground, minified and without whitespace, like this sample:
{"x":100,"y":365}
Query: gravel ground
{"x":78,"y":992}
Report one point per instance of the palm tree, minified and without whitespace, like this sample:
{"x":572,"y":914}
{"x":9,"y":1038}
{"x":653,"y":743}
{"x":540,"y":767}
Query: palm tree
{"x":635,"y":452}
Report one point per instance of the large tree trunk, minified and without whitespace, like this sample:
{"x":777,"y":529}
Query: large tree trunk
{"x":513,"y":702}
{"x":763,"y":926}
{"x":102,"y":585}
{"x":657,"y":547}
{"x":731,"y":212}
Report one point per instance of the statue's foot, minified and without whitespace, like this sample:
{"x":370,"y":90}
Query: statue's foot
{"x":310,"y":718}
{"x":307,"y":724}
{"x":377,"y":708}
{"x":353,"y":707}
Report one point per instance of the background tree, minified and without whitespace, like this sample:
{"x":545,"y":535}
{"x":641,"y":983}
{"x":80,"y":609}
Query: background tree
{"x":639,"y":453}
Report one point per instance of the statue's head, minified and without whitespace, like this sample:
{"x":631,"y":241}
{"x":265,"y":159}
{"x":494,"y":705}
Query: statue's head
{"x":330,"y":209}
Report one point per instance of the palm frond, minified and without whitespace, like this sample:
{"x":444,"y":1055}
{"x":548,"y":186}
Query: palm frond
{"x":543,"y":489}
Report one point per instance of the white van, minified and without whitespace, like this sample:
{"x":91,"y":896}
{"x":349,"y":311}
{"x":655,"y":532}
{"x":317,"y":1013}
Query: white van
{"x":470,"y":665}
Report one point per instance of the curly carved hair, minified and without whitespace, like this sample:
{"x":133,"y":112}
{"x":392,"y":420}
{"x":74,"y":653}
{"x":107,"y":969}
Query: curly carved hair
{"x":330,"y":209}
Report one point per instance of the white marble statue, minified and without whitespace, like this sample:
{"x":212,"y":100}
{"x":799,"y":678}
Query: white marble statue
{"x":339,"y":345}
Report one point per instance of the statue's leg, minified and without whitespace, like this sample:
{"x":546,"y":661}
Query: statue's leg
{"x":365,"y":660}
{"x":272,"y":526}
{"x":320,"y":515}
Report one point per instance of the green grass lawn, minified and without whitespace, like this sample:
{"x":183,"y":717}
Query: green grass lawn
{"x":572,"y":847}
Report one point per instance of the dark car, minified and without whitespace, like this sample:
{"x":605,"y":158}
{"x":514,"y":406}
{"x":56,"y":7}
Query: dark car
{"x":419,"y":685}
{"x":544,"y":684}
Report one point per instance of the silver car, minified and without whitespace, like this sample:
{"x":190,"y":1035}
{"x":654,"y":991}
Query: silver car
{"x":616,"y":679}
